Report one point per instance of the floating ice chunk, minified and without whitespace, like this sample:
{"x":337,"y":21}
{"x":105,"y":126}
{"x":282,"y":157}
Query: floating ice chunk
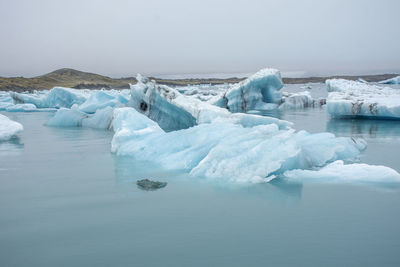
{"x":212,"y":94}
{"x":300,"y":100}
{"x":55,"y":98}
{"x":21,"y":108}
{"x":361,"y":80}
{"x":100,"y":100}
{"x":338,"y":172}
{"x":395,"y":80}
{"x":355,"y":99}
{"x":5,"y":105}
{"x":8,"y":128}
{"x":263,"y":86}
{"x":226,"y":150}
{"x":101,"y":119}
{"x":159,"y":103}
{"x":5,"y":97}
{"x":75,"y":118}
{"x":65,"y":117}
{"x":173,"y":111}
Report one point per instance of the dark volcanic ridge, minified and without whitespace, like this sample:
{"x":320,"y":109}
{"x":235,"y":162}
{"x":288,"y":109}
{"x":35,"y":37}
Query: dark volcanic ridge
{"x":79,"y":79}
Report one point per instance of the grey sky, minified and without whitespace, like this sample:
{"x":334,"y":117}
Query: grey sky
{"x":121,"y":38}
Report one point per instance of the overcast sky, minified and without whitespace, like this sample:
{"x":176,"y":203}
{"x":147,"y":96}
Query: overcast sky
{"x":121,"y":38}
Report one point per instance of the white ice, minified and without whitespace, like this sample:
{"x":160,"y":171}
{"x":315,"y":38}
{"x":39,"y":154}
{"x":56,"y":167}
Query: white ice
{"x":338,"y":172}
{"x":8,"y":128}
{"x":355,"y":99}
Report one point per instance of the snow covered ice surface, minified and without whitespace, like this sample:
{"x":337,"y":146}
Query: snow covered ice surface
{"x":8,"y":128}
{"x":354,"y":99}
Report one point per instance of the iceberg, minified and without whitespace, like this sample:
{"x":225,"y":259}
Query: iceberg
{"x":100,"y":100}
{"x":212,"y":94}
{"x":101,"y":119}
{"x":5,"y":105}
{"x":395,"y":80}
{"x":173,"y":110}
{"x":338,"y":172}
{"x":8,"y":128}
{"x":222,"y":149}
{"x":73,"y":117}
{"x":252,"y":93}
{"x":300,"y":100}
{"x":21,"y":108}
{"x":5,"y":100}
{"x":355,"y":99}
{"x":56,"y":98}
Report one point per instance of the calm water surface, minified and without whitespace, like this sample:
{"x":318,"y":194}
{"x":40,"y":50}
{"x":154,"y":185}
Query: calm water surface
{"x":65,"y":200}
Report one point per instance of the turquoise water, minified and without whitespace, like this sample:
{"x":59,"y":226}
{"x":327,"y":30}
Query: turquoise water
{"x":65,"y":200}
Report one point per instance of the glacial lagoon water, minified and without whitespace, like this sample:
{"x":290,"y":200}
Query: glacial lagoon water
{"x":65,"y":200}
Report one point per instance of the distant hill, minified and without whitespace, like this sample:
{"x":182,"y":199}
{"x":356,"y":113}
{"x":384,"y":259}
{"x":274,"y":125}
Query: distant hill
{"x":79,"y":79}
{"x":65,"y":78}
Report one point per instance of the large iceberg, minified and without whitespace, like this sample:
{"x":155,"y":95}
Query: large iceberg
{"x":226,"y":150}
{"x":395,"y":80}
{"x":8,"y":128}
{"x":259,"y":91}
{"x":339,"y":172}
{"x":355,"y":99}
{"x":173,"y":110}
{"x":252,"y":93}
{"x":57,"y":97}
